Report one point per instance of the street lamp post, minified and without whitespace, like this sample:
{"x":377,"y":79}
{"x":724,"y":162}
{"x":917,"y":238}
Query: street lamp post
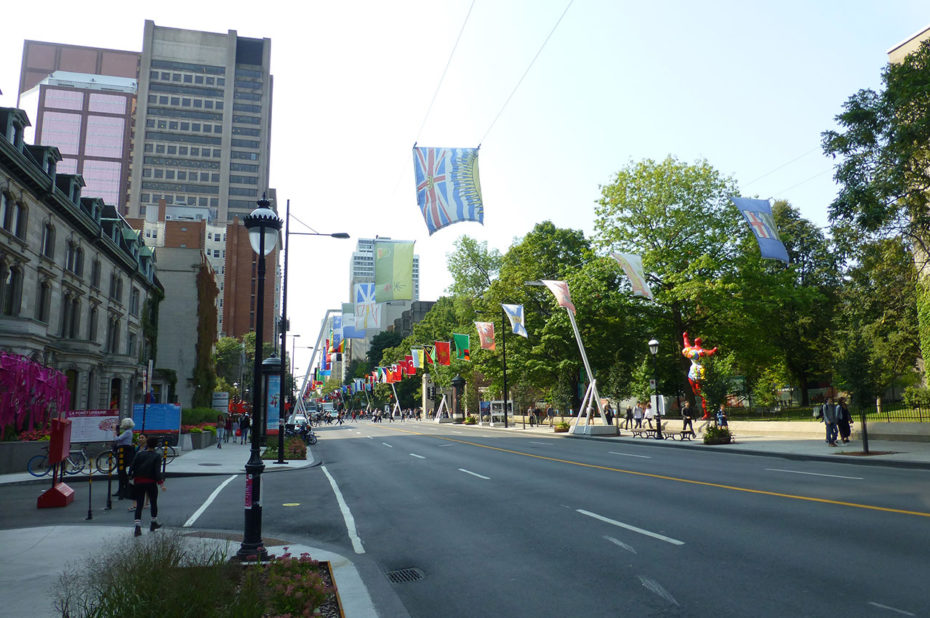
{"x":263,"y":225}
{"x":654,"y":350}
{"x":284,"y":324}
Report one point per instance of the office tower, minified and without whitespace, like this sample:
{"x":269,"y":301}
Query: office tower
{"x":203,"y":123}
{"x":81,"y":100}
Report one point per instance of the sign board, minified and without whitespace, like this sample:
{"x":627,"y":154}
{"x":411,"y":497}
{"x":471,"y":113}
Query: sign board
{"x":272,"y":403}
{"x":93,"y":425}
{"x":159,"y":417}
{"x":220,"y":402}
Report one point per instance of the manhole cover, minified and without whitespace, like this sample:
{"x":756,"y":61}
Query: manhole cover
{"x":405,"y":576}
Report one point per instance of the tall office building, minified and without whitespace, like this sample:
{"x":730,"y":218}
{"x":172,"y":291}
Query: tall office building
{"x":203,"y":129}
{"x":82,"y":100}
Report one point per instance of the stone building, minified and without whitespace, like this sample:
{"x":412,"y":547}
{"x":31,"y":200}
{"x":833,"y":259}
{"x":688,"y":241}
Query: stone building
{"x":78,"y":291}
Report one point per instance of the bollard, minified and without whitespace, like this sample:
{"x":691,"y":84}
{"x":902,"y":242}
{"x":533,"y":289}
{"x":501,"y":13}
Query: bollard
{"x":90,"y":483}
{"x":109,"y":505}
{"x":865,"y":432}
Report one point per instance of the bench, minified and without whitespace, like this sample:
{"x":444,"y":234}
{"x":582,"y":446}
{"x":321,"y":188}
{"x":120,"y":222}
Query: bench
{"x":681,"y":435}
{"x":647,"y":432}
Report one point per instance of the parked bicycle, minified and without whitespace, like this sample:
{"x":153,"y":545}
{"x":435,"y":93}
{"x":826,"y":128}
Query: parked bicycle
{"x":106,"y":461}
{"x":72,"y":464}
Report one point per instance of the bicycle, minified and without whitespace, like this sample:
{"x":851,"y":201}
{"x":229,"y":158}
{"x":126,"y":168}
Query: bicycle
{"x":72,"y":464}
{"x":106,"y":461}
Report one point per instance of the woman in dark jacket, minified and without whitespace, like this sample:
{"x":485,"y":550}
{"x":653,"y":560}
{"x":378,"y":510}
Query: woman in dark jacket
{"x":146,"y":474}
{"x":843,"y":419}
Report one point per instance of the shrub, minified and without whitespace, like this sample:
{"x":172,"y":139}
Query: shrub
{"x":471,"y":420}
{"x":917,"y":397}
{"x":717,"y":435}
{"x":294,"y":448}
{"x":198,"y":416}
{"x":194,"y":429}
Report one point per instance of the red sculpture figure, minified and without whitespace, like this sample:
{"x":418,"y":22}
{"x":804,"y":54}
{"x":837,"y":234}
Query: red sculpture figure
{"x":696,"y":373}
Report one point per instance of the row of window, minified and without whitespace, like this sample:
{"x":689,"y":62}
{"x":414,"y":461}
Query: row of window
{"x":243,"y":180}
{"x":12,"y":216}
{"x":190,"y":91}
{"x":183,"y":125}
{"x":187,"y":78}
{"x":170,"y":112}
{"x":188,"y":163}
{"x":170,"y":174}
{"x":183,"y":138}
{"x":182,"y":188}
{"x":181,"y":200}
{"x":183,"y":151}
{"x":179,"y":101}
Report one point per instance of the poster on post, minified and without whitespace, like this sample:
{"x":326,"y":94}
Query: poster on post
{"x":93,"y":425}
{"x":272,"y":405}
{"x":158,"y":418}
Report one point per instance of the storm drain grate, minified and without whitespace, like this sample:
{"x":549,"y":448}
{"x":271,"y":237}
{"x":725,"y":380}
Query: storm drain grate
{"x":405,"y":576}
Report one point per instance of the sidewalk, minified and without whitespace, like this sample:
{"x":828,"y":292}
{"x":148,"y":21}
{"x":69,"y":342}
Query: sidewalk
{"x":35,"y":556}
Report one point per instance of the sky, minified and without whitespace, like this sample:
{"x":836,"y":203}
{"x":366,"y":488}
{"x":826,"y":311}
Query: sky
{"x":748,"y":86}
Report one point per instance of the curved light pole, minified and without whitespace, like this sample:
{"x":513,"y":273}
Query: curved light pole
{"x":263,"y":225}
{"x":654,"y":350}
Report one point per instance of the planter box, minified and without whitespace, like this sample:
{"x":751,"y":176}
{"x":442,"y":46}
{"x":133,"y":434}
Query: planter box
{"x":14,"y":455}
{"x":202,"y":440}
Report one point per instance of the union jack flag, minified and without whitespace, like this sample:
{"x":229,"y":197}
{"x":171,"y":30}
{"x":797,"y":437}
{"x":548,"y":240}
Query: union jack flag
{"x":758,"y":214}
{"x":448,"y":189}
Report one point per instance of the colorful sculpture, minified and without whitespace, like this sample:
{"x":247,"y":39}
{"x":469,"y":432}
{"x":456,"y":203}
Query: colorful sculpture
{"x":696,"y":372}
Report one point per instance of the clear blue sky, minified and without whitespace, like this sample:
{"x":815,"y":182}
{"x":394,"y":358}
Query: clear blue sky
{"x":747,"y":85}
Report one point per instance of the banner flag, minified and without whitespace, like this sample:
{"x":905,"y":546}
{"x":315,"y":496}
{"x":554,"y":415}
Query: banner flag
{"x":393,"y":270}
{"x":367,"y":311}
{"x":515,"y":313}
{"x":430,"y":353}
{"x":486,"y":334}
{"x":632,"y":265}
{"x":448,"y":188}
{"x":462,"y":351}
{"x":348,"y":323}
{"x":337,"y":332}
{"x":417,"y":355}
{"x":443,"y":353}
{"x":559,"y":289}
{"x":409,"y":368}
{"x":758,"y":214}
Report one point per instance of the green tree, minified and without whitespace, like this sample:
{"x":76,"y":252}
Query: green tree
{"x":473,"y":267}
{"x":229,"y":358}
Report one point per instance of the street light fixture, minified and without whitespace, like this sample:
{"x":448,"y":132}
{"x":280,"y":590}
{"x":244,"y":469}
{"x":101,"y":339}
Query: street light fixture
{"x":654,"y":350}
{"x":263,"y":225}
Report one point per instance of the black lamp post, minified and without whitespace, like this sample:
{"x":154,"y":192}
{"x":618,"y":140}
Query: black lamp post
{"x":285,"y":325}
{"x":458,"y":388}
{"x":263,"y":225}
{"x":654,"y":350}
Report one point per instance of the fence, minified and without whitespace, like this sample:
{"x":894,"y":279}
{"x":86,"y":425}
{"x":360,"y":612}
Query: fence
{"x":889,"y":413}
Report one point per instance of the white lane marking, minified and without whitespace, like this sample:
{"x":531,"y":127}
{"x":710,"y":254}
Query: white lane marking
{"x":621,"y":544}
{"x":480,"y":476}
{"x":629,"y":455}
{"x":346,"y":514}
{"x":654,"y":586}
{"x":543,"y":443}
{"x":620,"y":524}
{"x":832,"y":476}
{"x":207,"y":502}
{"x":446,"y":444}
{"x":370,"y":437}
{"x":387,"y":445}
{"x":417,"y":456}
{"x":889,"y":608}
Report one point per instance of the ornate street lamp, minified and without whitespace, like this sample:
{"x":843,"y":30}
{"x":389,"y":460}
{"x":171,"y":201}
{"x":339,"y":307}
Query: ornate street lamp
{"x":263,"y":225}
{"x":654,"y":350}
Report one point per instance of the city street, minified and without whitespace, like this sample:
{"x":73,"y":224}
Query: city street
{"x":470,"y":521}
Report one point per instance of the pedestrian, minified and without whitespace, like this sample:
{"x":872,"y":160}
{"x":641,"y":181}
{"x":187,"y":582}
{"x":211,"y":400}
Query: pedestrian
{"x":146,"y":474}
{"x":686,"y":425}
{"x":638,"y":416}
{"x":550,"y":414}
{"x":649,"y":414}
{"x":220,"y":430}
{"x":829,"y":420}
{"x":227,"y":428}
{"x":843,"y":420}
{"x":124,"y":454}
{"x":722,"y":418}
{"x":244,"y":424}
{"x":235,"y":428}
{"x":628,"y":420}
{"x":609,"y":413}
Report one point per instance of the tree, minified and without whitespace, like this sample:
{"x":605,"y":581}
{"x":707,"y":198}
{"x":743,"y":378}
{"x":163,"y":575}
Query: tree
{"x":379,"y":343}
{"x":229,"y":358}
{"x":473,"y":267}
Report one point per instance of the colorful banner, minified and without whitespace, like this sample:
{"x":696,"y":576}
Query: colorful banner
{"x":515,"y":313}
{"x":417,"y":354}
{"x":632,"y":265}
{"x":448,"y":188}
{"x":559,"y":289}
{"x":758,"y":214}
{"x":393,"y":270}
{"x":443,"y":353}
{"x":462,"y":351}
{"x":486,"y":334}
{"x":367,"y":311}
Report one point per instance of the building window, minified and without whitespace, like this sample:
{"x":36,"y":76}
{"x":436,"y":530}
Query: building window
{"x":134,"y":302}
{"x":11,"y":289}
{"x":92,"y":325}
{"x":131,"y":345}
{"x":43,"y":301}
{"x":70,"y":317}
{"x":48,"y":241}
{"x":95,"y":274}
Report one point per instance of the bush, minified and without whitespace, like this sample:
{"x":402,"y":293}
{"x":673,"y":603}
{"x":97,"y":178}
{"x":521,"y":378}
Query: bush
{"x":198,"y":416}
{"x":717,"y":435}
{"x":917,"y":397}
{"x":294,"y":448}
{"x":471,"y":420}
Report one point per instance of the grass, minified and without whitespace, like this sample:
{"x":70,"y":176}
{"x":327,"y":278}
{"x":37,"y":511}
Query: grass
{"x":167,"y":575}
{"x":294,"y":448}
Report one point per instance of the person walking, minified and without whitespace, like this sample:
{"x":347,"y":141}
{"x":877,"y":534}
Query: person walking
{"x":235,"y":428}
{"x":628,"y":421}
{"x":829,"y":419}
{"x":609,"y":414}
{"x":722,"y":418}
{"x":686,"y":425}
{"x":227,"y":428}
{"x":649,"y":414}
{"x":124,"y":454}
{"x":638,"y":416}
{"x":843,"y":420}
{"x":220,"y":430}
{"x":146,"y":474}
{"x":244,"y":424}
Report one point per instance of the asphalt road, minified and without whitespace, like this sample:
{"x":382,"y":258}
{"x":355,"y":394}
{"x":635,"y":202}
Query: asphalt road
{"x":498,"y":523}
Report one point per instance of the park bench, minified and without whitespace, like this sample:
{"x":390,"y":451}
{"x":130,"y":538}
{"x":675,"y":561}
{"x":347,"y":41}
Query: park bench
{"x":681,"y":435}
{"x":646,"y":432}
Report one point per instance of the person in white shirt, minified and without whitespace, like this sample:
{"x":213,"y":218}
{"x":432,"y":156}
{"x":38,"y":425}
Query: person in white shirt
{"x":649,"y":414}
{"x":638,"y":416}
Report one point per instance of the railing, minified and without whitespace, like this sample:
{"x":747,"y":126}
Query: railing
{"x":890,"y":413}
